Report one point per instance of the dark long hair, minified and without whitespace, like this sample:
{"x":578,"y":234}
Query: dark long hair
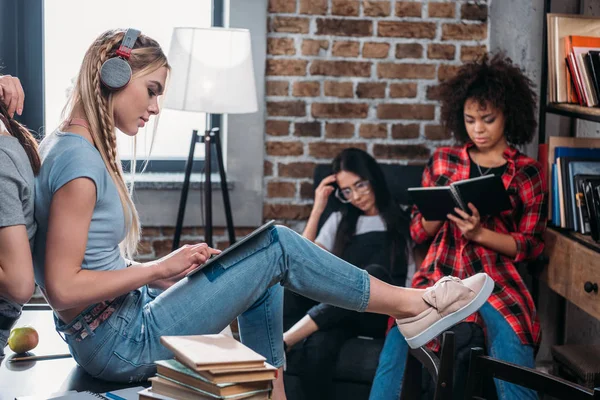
{"x":24,"y":137}
{"x":362,"y":164}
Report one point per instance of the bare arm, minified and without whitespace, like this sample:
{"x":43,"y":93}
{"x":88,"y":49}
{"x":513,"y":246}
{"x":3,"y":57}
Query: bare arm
{"x":16,"y":266}
{"x":322,"y":193}
{"x":431,"y":227}
{"x":301,"y":330}
{"x":501,"y":242}
{"x":67,"y":284}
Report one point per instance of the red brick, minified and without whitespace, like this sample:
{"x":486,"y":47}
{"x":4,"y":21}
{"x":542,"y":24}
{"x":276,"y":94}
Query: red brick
{"x":310,"y":129}
{"x":277,"y":88}
{"x":370,"y":90}
{"x":290,"y":24}
{"x":306,"y":89}
{"x":307,"y":191}
{"x":441,"y":10}
{"x":285,"y":148}
{"x":277,"y":128}
{"x":401,"y":151}
{"x":286,"y":108}
{"x":281,"y":46}
{"x":162,"y":247}
{"x":446,"y":72}
{"x":474,"y":12}
{"x":408,"y":9}
{"x":436,"y":51}
{"x":436,"y":132}
{"x":403,"y":90}
{"x":281,"y":189}
{"x":282,"y":6}
{"x":406,"y":111}
{"x":339,"y":89}
{"x":376,"y":50}
{"x":268,"y":168}
{"x":311,"y":47}
{"x":377,"y":8}
{"x":348,"y":8}
{"x":409,"y":50}
{"x":330,"y":150}
{"x":433,"y":93}
{"x":373,"y":131}
{"x":464,"y":31}
{"x":151,"y":232}
{"x":144,"y":248}
{"x":345,"y":49}
{"x":406,"y":71}
{"x":286,"y":67}
{"x":341,"y":68}
{"x":410,"y":131}
{"x":313,"y":6}
{"x":339,"y":130}
{"x":424,"y":30}
{"x":339,"y":110}
{"x":296,"y":169}
{"x":471,"y":53}
{"x":344,"y":27}
{"x":286,"y":211}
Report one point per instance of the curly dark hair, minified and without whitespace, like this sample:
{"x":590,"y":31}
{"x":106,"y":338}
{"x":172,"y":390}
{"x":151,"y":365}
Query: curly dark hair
{"x":495,"y":80}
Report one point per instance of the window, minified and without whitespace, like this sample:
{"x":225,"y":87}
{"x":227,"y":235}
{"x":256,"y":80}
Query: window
{"x":70,"y":26}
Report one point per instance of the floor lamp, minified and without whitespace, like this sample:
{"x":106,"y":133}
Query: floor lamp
{"x":211,"y":72}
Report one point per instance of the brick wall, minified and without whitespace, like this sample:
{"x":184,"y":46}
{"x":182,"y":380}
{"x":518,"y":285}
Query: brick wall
{"x":346,"y":73}
{"x":355,"y":73}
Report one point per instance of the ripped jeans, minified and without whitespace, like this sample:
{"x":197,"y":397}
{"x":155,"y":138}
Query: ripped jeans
{"x":246,"y":283}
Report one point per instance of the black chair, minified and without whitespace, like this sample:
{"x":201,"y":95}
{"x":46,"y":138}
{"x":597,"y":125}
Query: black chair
{"x":440,"y":369}
{"x":483,"y":368}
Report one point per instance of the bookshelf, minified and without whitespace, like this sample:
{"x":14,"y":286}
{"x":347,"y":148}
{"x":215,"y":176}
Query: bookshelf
{"x":573,"y":270}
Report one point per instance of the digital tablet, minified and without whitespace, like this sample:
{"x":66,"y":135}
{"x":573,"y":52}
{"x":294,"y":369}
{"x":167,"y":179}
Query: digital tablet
{"x":243,"y":240}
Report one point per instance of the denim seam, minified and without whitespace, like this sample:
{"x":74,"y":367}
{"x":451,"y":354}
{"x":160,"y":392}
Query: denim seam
{"x":366,"y":287}
{"x":276,"y":362}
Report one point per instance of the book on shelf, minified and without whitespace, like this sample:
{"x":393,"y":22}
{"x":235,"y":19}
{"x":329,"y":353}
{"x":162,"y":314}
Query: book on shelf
{"x":178,"y":390}
{"x":585,"y":170}
{"x":487,"y":193}
{"x":561,"y":26}
{"x":207,"y":352}
{"x":176,"y":371}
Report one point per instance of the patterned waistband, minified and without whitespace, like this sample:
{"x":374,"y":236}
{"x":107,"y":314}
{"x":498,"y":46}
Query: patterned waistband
{"x":89,"y":320}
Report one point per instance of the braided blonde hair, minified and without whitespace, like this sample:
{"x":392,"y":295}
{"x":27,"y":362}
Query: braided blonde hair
{"x":97,"y":104}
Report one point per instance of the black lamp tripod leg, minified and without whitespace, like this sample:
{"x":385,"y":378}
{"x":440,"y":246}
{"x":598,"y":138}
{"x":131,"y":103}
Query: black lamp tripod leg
{"x":184,"y":190}
{"x":224,"y":189}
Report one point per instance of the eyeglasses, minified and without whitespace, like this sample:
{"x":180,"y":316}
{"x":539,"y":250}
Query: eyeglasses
{"x":360,"y":188}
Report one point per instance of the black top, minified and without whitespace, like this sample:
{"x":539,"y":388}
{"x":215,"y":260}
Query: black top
{"x":475,"y":171}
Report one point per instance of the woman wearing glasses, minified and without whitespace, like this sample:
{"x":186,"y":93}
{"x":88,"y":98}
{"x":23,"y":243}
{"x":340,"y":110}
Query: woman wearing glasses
{"x":367,"y":232}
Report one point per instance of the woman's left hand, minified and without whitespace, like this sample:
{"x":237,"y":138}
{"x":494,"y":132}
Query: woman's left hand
{"x":469,"y":225}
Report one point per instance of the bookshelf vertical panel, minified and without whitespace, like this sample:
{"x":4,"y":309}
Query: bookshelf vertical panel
{"x":558,"y":250}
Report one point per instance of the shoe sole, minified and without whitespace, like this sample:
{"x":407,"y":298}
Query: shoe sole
{"x":452,"y":319}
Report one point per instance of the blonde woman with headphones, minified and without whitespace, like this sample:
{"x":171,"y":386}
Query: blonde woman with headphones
{"x":89,"y":228}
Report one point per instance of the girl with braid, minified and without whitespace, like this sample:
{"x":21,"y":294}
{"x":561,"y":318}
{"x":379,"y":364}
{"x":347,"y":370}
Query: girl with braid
{"x":88,"y":231}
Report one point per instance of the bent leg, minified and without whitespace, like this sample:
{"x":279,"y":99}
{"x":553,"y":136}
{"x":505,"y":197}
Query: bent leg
{"x":504,"y":344}
{"x":390,"y":371}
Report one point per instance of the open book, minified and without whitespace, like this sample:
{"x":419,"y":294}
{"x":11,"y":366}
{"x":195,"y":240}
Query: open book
{"x":487,"y":193}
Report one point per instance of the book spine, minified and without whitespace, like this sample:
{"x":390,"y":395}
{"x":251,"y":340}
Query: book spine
{"x":457,"y":199}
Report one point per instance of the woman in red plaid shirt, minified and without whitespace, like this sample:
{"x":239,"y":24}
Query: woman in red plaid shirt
{"x":489,"y":106}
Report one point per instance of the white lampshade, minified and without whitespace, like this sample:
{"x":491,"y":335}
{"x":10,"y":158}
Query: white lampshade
{"x":212,"y":71}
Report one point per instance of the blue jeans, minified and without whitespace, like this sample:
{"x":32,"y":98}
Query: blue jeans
{"x":502,"y":343}
{"x":244,"y":283}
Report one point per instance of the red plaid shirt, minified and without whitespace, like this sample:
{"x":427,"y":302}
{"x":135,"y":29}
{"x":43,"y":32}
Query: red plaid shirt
{"x":452,"y":254}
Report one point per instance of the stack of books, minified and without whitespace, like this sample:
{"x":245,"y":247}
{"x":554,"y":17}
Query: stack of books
{"x":210,"y":367}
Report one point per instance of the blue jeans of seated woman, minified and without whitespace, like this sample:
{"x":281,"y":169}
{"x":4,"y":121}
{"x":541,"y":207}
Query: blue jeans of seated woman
{"x":501,"y":341}
{"x":244,"y":283}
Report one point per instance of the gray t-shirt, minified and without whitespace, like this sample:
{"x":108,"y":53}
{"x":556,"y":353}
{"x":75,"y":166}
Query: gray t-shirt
{"x":65,"y":157}
{"x":16,"y":207}
{"x":16,"y":186}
